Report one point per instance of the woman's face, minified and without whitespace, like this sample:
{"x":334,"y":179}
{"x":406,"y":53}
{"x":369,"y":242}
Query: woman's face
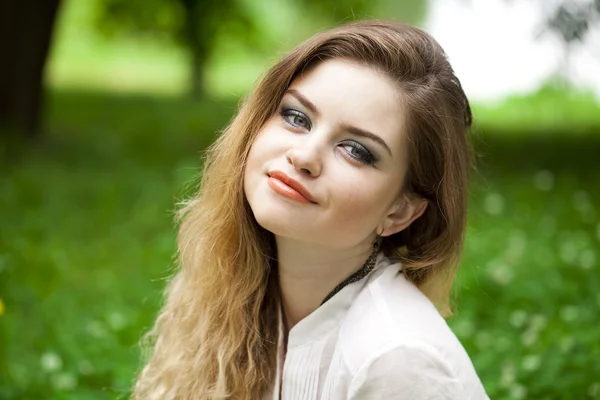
{"x":338,"y":132}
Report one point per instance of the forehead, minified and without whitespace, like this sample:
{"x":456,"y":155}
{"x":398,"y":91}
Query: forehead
{"x":355,"y":95}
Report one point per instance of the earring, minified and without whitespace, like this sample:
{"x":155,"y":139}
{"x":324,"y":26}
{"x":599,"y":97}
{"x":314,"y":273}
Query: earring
{"x":377,"y":242}
{"x":370,"y":263}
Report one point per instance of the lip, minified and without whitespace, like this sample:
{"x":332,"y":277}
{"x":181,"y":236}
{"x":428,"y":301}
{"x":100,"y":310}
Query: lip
{"x":290,"y":187}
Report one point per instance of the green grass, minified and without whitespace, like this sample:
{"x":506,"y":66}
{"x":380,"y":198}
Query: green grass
{"x":87,"y":235}
{"x":87,"y":239}
{"x":552,"y":109}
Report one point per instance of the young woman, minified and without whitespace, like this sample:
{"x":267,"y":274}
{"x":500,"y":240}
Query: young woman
{"x":318,"y":255}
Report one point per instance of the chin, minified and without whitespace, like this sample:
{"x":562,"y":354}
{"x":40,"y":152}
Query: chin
{"x":281,"y":223}
{"x":275,"y":222}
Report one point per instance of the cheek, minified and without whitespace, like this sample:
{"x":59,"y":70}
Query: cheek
{"x":259,"y":150}
{"x":360,"y":206}
{"x":264,"y":149}
{"x":266,"y":144}
{"x":252,"y":167}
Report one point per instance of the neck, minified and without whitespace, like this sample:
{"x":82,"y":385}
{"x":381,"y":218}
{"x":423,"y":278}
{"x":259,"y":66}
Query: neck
{"x":308,"y":273}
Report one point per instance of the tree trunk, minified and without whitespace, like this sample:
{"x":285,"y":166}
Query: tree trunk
{"x":25,"y":36}
{"x":197,"y":15}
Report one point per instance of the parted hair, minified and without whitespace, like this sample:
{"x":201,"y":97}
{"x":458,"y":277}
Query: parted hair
{"x":216,"y":334}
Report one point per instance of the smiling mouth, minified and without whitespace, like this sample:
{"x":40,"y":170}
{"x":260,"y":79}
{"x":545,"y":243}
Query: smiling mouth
{"x":287,"y":191}
{"x":284,"y":185}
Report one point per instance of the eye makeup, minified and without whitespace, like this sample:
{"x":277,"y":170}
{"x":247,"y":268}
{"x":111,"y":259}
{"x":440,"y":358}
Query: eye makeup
{"x":297,"y":119}
{"x":360,"y":153}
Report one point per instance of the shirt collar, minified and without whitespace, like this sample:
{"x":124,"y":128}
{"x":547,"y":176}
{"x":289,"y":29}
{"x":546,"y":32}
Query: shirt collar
{"x":330,"y":314}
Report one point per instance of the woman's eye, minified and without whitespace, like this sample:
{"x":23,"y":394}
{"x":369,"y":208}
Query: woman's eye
{"x":359,"y":153}
{"x":296,"y":118}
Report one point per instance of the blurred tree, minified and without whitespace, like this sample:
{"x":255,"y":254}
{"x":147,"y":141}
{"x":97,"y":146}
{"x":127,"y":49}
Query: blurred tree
{"x":25,"y":36}
{"x":411,"y":11}
{"x":27,"y":26}
{"x":192,"y":23}
{"x":571,"y":21}
{"x":196,"y":23}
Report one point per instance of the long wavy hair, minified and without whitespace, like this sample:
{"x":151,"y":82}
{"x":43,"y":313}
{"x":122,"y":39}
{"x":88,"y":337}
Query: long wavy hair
{"x":216,"y":335}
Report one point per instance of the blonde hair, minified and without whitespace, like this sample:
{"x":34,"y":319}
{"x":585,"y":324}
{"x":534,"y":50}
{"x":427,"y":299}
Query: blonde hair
{"x":216,"y":336}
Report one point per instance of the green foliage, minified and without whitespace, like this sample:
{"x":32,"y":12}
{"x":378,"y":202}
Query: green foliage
{"x":555,"y":108}
{"x":97,"y":48}
{"x":168,"y":19}
{"x":413,"y":11}
{"x":87,"y":237}
{"x":86,"y":240}
{"x":205,"y":27}
{"x":149,"y":17}
{"x":87,"y":243}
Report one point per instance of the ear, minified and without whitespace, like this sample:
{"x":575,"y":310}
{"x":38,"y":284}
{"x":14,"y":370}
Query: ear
{"x":402,"y":213}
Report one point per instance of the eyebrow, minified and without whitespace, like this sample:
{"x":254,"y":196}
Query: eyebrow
{"x":305,"y":102}
{"x":361,"y":132}
{"x":349,"y":128}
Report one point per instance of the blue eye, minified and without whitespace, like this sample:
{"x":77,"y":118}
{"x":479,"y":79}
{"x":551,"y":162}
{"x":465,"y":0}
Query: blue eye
{"x":296,"y":118}
{"x":359,"y":153}
{"x":355,"y":150}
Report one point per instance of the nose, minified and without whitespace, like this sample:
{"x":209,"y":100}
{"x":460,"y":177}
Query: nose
{"x":306,"y":159}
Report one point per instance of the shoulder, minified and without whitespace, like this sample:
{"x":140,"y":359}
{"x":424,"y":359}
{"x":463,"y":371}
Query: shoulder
{"x":415,"y":371}
{"x":393,"y":326}
{"x":390,"y":309}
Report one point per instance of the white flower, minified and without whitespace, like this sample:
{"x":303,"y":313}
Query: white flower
{"x":538,"y":322}
{"x":517,"y":244}
{"x":529,"y":337}
{"x":64,"y":381}
{"x":464,"y":328}
{"x":517,"y":318}
{"x":569,"y":251}
{"x":116,"y":321}
{"x":96,"y":328}
{"x":587,"y":259}
{"x":518,"y":391}
{"x":85,"y":367}
{"x":507,"y":375}
{"x":531,"y":362}
{"x":500,"y":271}
{"x":51,"y":362}
{"x":493,"y":204}
{"x":569,"y":313}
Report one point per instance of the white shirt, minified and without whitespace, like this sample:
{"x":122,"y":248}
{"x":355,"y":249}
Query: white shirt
{"x":378,"y":338}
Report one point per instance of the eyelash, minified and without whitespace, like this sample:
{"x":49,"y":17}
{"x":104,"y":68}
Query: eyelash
{"x":366,"y":157}
{"x":288,"y":112}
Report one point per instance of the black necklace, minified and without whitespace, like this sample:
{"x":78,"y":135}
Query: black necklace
{"x":358,"y":275}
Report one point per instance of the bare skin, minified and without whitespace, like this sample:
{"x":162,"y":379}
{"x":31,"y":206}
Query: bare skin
{"x":354,"y":178}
